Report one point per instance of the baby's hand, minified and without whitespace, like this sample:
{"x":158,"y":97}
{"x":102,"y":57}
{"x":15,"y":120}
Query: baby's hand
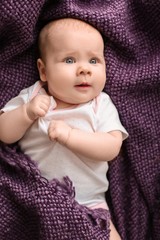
{"x":38,"y":106}
{"x":59,"y":131}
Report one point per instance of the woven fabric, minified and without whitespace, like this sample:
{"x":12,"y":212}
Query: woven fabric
{"x":34,"y":209}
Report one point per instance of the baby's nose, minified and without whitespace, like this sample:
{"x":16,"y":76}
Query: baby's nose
{"x":84,"y":70}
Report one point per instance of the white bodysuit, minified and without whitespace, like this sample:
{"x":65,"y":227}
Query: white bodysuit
{"x":55,"y":160}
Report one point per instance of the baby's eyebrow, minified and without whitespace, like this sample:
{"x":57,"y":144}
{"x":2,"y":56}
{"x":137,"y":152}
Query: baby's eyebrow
{"x":63,"y":53}
{"x":69,"y":53}
{"x":98,"y":54}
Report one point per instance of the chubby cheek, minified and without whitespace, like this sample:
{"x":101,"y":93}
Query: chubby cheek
{"x":57,"y":85}
{"x":100,"y":82}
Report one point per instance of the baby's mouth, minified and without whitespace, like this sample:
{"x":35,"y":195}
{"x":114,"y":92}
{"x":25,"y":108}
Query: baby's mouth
{"x":85,"y":85}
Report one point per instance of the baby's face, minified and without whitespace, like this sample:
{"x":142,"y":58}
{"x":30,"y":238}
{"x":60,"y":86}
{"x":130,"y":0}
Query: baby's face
{"x":75,"y":65}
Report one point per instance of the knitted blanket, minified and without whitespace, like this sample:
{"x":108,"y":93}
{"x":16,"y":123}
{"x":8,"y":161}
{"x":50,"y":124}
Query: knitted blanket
{"x":32,"y":208}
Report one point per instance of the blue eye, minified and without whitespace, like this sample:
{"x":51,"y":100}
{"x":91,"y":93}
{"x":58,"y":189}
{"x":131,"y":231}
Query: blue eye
{"x":93,"y":61}
{"x":69,"y":60}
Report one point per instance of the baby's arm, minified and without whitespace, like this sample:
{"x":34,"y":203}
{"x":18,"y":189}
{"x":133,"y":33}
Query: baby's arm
{"x":98,"y":146}
{"x":14,"y":123}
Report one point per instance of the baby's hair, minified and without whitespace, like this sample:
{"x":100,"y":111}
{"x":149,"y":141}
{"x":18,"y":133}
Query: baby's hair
{"x":47,"y":30}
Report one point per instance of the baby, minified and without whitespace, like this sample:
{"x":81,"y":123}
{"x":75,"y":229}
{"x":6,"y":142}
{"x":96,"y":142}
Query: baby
{"x":66,"y":124}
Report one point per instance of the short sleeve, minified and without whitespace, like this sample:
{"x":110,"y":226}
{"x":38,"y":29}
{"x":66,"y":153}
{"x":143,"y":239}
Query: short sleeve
{"x":107,"y":116}
{"x":19,"y":100}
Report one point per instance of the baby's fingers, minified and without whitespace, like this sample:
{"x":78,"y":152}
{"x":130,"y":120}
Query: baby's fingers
{"x":41,"y":111}
{"x":42,"y":103}
{"x":51,"y":132}
{"x":43,"y":107}
{"x":59,"y":131}
{"x":38,"y":106}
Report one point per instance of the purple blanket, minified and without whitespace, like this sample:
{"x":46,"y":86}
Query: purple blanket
{"x":31,"y":208}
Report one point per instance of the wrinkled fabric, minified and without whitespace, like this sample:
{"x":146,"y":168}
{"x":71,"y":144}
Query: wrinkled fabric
{"x":32,"y":208}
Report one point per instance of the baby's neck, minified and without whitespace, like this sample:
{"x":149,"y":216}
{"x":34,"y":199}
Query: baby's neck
{"x":63,"y":105}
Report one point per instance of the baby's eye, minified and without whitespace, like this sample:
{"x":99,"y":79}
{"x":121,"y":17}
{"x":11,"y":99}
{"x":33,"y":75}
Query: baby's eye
{"x":93,"y":61}
{"x":69,"y":60}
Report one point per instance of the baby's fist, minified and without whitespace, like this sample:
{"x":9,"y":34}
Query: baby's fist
{"x":59,"y":131}
{"x":38,"y":106}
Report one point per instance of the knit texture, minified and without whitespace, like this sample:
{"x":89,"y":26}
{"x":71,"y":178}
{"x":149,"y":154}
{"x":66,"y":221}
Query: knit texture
{"x":32,"y":208}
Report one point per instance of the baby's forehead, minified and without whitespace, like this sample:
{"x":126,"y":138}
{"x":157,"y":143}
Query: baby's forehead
{"x":63,"y":24}
{"x":49,"y":32}
{"x":74,"y":24}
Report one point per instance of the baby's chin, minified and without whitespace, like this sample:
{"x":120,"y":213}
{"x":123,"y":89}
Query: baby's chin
{"x":83,"y":100}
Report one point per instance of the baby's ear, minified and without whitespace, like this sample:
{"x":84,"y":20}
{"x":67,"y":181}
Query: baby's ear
{"x":41,"y":69}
